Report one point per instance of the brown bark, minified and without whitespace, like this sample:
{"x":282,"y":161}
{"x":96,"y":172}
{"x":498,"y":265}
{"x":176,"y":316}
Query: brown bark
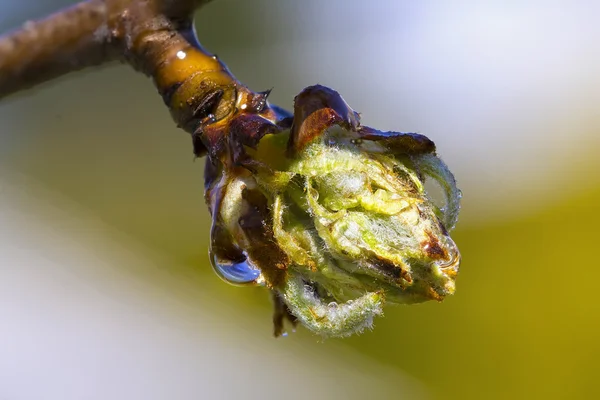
{"x":87,"y":34}
{"x":156,"y":37}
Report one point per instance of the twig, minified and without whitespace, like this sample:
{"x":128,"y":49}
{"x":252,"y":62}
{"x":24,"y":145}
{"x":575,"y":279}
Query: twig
{"x":90,"y":33}
{"x":157,"y":38}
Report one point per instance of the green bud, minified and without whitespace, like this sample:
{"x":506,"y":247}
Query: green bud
{"x":341,"y":218}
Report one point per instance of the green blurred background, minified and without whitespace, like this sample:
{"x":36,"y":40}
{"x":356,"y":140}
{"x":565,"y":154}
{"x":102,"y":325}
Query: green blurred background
{"x":100,"y":186}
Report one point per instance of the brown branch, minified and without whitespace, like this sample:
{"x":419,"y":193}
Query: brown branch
{"x":156,"y":37}
{"x":90,"y":33}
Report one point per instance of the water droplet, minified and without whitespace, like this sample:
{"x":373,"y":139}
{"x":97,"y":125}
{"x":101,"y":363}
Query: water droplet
{"x":210,"y":119}
{"x":260,"y":105}
{"x":333,"y":304}
{"x":236,"y":273}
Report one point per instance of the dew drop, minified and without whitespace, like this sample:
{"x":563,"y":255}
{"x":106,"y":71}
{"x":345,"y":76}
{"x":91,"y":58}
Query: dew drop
{"x":210,"y":119}
{"x":260,"y":105}
{"x":239,"y":273}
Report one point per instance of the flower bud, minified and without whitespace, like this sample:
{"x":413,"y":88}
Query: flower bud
{"x":334,"y":217}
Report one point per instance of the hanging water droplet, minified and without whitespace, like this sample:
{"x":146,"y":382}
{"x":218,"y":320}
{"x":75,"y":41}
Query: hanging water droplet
{"x":258,"y":107}
{"x":239,"y":273}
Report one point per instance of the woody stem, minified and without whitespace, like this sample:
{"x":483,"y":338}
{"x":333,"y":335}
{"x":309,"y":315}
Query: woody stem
{"x":90,"y":33}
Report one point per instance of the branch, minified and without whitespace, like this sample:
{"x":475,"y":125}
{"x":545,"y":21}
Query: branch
{"x":87,"y":34}
{"x":156,"y":37}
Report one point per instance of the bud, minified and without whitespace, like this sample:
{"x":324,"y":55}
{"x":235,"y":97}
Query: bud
{"x":332,"y":216}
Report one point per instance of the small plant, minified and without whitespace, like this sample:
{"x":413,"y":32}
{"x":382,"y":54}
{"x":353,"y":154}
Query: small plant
{"x":330,"y":215}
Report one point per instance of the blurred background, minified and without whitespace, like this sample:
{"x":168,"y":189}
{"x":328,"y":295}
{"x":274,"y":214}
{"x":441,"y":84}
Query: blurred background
{"x":105,"y":286}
